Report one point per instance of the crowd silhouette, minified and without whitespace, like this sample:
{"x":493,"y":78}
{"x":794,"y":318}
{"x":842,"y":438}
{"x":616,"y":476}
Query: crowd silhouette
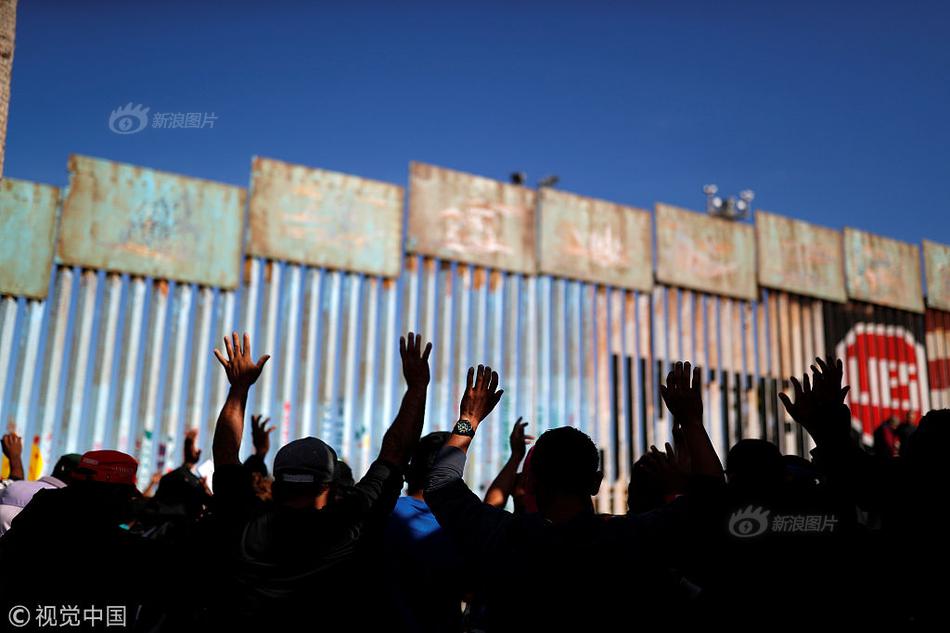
{"x":847,"y":537}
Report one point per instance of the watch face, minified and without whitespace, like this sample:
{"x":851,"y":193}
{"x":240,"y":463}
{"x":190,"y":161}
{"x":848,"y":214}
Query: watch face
{"x":462,"y":427}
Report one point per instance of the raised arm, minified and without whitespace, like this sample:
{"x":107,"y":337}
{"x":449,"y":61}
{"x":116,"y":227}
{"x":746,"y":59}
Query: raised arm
{"x":192,"y":454}
{"x":684,"y":399}
{"x":480,"y":397}
{"x":260,"y":435}
{"x":401,"y":437}
{"x":242,"y":372}
{"x":819,"y":405}
{"x":13,"y":451}
{"x":501,"y":488}
{"x":459,"y":510}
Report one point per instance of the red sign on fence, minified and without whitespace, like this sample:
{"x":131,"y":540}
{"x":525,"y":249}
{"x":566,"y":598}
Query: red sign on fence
{"x":884,"y":366}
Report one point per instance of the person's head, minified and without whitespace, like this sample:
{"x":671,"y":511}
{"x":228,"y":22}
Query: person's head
{"x":645,"y":490}
{"x":564,"y":469}
{"x":106,"y":479}
{"x":65,"y":465}
{"x":800,"y":475}
{"x":183,"y":491}
{"x":343,"y":481}
{"x":926,"y":448}
{"x":755,"y":467}
{"x":893,"y":422}
{"x":423,"y":459}
{"x":303,"y":472}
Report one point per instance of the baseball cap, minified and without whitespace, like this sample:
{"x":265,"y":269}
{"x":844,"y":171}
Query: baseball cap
{"x":110,"y":467}
{"x":65,"y":466}
{"x":305,"y":461}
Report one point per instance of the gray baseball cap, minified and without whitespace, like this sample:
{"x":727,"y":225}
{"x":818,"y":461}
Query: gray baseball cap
{"x":305,"y":461}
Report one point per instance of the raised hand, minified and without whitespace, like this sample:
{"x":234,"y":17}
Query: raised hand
{"x":519,"y":441}
{"x":12,"y":446}
{"x":668,"y":468}
{"x":192,"y":454}
{"x":242,"y":372}
{"x":481,"y":394}
{"x":819,"y":404}
{"x":684,"y":398}
{"x":504,"y":483}
{"x":239,"y":365}
{"x":13,"y":449}
{"x":260,"y":434}
{"x":415,"y":365}
{"x":401,"y":437}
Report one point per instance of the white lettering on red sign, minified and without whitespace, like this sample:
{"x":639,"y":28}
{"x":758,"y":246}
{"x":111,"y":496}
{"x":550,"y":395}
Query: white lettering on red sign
{"x":885,"y":367}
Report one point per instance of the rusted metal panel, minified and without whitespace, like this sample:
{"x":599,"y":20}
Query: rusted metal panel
{"x":471,"y":219}
{"x":27,"y":231}
{"x":7,"y":39}
{"x":595,"y":240}
{"x":937,"y":269}
{"x":700,"y":252}
{"x":324,"y":218}
{"x":937,"y":324}
{"x":799,"y":257}
{"x":883,"y":271}
{"x":131,"y":219}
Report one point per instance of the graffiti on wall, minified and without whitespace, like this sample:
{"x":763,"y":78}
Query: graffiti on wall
{"x":704,"y":253}
{"x":884,"y":360}
{"x":799,"y":257}
{"x":470,"y":219}
{"x":324,"y":218}
{"x":27,"y":229}
{"x":594,"y":240}
{"x":882,"y":271}
{"x":130,"y":219}
{"x":937,"y":268}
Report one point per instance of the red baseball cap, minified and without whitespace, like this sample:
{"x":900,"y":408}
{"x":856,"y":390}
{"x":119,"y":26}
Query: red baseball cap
{"x":109,"y":467}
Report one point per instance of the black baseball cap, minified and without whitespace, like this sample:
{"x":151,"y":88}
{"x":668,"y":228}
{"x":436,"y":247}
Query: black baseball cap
{"x":305,"y":461}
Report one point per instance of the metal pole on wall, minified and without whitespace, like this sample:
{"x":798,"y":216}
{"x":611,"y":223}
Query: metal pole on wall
{"x":7,"y":33}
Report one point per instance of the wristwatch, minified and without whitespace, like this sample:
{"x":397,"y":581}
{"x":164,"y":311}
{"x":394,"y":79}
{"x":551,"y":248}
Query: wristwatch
{"x":464,"y":427}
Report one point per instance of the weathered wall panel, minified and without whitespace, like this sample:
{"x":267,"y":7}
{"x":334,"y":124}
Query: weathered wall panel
{"x":882,"y":271}
{"x":937,"y":269}
{"x":470,"y":219}
{"x":324,"y":218}
{"x":937,"y":324}
{"x":703,"y":253}
{"x":799,"y":257}
{"x":27,"y":230}
{"x":124,"y":218}
{"x":594,"y":240}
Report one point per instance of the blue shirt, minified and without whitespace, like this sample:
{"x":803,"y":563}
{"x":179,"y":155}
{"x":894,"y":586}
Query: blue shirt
{"x":421,"y":554}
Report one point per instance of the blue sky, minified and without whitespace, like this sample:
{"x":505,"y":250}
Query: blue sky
{"x":836,"y":113}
